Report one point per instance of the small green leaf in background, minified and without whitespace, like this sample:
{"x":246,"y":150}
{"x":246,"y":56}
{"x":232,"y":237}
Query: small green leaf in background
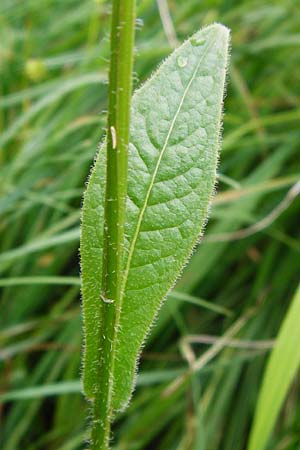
{"x":173,"y":154}
{"x":281,"y":368}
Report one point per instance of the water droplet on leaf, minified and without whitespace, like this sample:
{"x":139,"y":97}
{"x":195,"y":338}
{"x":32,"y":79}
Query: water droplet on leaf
{"x":197,"y":41}
{"x":182,"y":61}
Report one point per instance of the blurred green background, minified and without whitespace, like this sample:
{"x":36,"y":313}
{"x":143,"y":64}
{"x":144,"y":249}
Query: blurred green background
{"x":53,"y":69}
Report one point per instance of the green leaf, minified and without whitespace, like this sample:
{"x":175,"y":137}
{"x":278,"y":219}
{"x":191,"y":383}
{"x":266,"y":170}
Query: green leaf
{"x":281,"y":368}
{"x":173,"y":154}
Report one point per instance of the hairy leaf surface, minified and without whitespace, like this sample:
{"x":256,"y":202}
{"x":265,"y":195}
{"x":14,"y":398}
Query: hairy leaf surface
{"x":173,"y":153}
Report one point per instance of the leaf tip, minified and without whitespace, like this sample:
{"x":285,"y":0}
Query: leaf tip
{"x":216,"y":31}
{"x":220,"y":29}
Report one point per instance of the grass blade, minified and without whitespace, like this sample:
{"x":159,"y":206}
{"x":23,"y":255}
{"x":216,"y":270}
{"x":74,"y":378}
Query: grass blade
{"x":280,"y":371}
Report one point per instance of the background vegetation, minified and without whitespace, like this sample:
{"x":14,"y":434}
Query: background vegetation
{"x":53,"y":67}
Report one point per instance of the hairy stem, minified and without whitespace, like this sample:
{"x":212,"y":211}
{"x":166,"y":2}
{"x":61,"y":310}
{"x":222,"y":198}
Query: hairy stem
{"x":120,"y":85}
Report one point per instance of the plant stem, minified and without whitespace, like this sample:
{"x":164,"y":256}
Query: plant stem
{"x":120,"y":86}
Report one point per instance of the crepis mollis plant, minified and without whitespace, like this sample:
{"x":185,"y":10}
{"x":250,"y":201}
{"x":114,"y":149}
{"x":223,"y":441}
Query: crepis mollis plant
{"x":172,"y":159}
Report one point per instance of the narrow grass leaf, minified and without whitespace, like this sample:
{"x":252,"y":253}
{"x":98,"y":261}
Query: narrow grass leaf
{"x":281,"y":368}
